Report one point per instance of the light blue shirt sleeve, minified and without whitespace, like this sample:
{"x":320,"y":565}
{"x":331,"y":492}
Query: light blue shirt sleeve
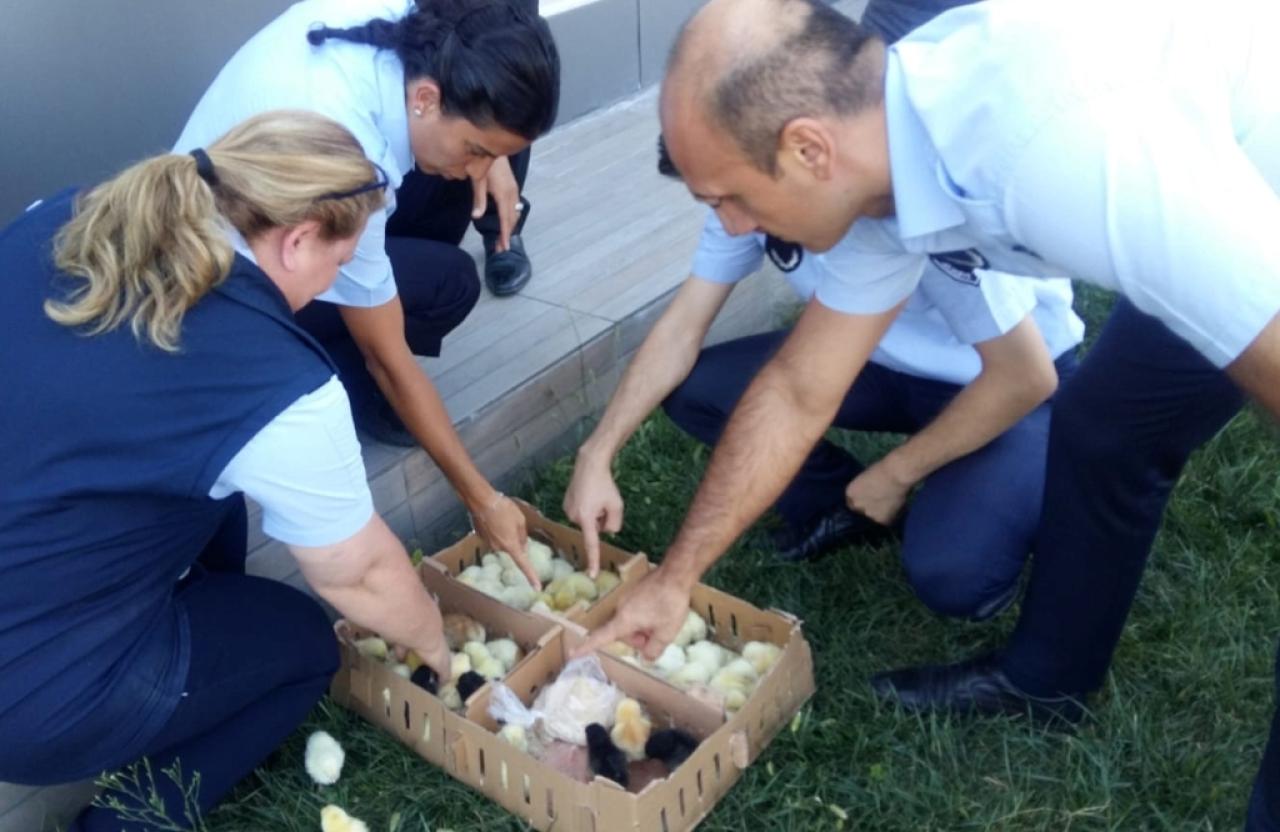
{"x":305,"y":470}
{"x":982,"y":310}
{"x":723,"y":258}
{"x":868,"y":271}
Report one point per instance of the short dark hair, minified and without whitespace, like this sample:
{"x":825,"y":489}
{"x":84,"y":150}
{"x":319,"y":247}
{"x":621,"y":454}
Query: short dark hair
{"x":812,"y":71}
{"x":494,"y":62}
{"x":666,"y":167}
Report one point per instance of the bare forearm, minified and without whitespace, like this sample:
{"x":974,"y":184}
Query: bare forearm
{"x":982,"y":411}
{"x":763,"y":445}
{"x":1257,"y":371}
{"x":391,"y":601}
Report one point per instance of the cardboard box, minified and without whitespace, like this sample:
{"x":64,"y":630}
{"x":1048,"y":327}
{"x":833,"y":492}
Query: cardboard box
{"x":467,"y":747}
{"x":567,"y":543}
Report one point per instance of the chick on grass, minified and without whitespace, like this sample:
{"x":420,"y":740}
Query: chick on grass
{"x":324,"y":758}
{"x":334,"y":819}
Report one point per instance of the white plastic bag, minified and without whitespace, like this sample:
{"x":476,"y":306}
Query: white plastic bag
{"x":580,"y":695}
{"x":507,"y":709}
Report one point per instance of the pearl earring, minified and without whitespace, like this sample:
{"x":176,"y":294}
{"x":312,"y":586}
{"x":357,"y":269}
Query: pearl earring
{"x":417,"y":111}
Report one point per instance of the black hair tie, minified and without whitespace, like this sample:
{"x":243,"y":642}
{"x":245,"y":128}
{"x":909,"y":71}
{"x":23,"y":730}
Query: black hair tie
{"x":204,"y":167}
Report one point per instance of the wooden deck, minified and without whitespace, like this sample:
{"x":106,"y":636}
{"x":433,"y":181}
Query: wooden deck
{"x":522,"y":377}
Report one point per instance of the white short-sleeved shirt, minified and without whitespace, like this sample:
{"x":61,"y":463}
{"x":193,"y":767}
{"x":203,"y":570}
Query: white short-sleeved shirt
{"x":954,"y":305}
{"x":1142,"y":155}
{"x":304,"y":467}
{"x":356,"y":85}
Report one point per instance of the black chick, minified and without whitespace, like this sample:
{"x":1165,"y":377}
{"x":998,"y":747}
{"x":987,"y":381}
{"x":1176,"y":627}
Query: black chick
{"x":425,"y":678}
{"x":469,"y":683}
{"x":672,"y":746}
{"x":606,"y":759}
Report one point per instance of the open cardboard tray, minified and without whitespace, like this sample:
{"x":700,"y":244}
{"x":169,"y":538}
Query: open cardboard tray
{"x":567,"y":543}
{"x":467,"y":748}
{"x":410,"y":714}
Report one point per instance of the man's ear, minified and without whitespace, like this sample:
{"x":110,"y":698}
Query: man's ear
{"x":807,"y":144}
{"x":294,"y":243}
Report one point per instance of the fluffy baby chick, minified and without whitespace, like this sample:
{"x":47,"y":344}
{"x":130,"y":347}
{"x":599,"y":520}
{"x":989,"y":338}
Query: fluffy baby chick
{"x":450,"y":697}
{"x":402,"y":670}
{"x":333,"y":819}
{"x":426,"y":678}
{"x":734,"y":683}
{"x":582,"y":586}
{"x":373,"y":647}
{"x":541,"y":556}
{"x":490,"y":668}
{"x":541,"y":607}
{"x":471,"y":576}
{"x":469,"y":683}
{"x":709,"y":654}
{"x":671,"y":660}
{"x":459,"y":629}
{"x":762,"y":655}
{"x":605,"y":758}
{"x":476,"y":651}
{"x":490,"y":560}
{"x":560,"y":568}
{"x":691,"y":674}
{"x":631,"y":729}
{"x":506,"y":651}
{"x":512,"y":576}
{"x":693,"y":629}
{"x":324,"y":758}
{"x":515,"y":736}
{"x":620,"y":649}
{"x":606,"y":581}
{"x":461,"y":664}
{"x":520,"y":597}
{"x":671,"y":746}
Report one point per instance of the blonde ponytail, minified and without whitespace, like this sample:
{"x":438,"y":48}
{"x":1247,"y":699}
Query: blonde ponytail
{"x":150,"y":243}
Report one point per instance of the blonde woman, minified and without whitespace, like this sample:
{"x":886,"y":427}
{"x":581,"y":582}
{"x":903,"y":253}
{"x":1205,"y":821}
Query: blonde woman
{"x":154,"y":376}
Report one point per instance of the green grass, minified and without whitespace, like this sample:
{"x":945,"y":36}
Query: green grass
{"x":1173,"y":745}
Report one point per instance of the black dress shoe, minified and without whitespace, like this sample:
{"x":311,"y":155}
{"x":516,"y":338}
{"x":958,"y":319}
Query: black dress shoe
{"x":506,"y":272}
{"x":378,"y":420}
{"x":838,"y":527}
{"x":973,"y":687}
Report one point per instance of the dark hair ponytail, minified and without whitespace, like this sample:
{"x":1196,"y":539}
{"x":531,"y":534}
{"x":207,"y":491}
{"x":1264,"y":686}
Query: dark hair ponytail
{"x":494,"y":62}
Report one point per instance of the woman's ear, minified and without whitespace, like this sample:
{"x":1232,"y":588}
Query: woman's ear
{"x":423,"y":97}
{"x":295,"y":243}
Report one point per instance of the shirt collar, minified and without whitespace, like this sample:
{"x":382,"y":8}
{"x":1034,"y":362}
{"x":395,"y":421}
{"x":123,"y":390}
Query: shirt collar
{"x":921,"y":204}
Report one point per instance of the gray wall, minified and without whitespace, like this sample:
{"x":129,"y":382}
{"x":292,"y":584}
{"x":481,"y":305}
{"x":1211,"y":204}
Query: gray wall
{"x":88,"y":85}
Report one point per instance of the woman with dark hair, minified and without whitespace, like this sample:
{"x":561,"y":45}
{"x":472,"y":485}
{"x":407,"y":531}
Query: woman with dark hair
{"x":148,"y":335}
{"x":450,"y":87}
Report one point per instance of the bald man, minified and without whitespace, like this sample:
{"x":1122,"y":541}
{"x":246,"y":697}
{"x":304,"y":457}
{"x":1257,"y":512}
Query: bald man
{"x":1143,"y":156}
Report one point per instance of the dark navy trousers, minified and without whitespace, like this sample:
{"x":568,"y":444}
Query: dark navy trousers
{"x":262,"y":655}
{"x":970,"y":525}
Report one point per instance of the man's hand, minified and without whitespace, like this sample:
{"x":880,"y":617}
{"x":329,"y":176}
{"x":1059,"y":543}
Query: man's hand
{"x":434,"y":651}
{"x":500,"y":183}
{"x":878,"y":492}
{"x":649,"y":619}
{"x":595,"y":505}
{"x":502,"y":525}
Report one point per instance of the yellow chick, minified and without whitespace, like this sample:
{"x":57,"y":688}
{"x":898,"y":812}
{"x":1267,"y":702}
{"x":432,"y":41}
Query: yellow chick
{"x":461,"y":664}
{"x":477,"y":652}
{"x":693,"y":629}
{"x":620,"y":649}
{"x":373,"y":647}
{"x":334,"y":819}
{"x":541,"y":556}
{"x":606,"y":581}
{"x":560,"y":568}
{"x":762,"y":655}
{"x":631,"y":729}
{"x":506,"y":651}
{"x":515,"y":736}
{"x":582,"y":586}
{"x":490,"y":668}
{"x":734,"y":683}
{"x":691,"y":674}
{"x":450,"y":697}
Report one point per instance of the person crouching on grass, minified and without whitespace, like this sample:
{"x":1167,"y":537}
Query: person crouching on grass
{"x":156,"y":376}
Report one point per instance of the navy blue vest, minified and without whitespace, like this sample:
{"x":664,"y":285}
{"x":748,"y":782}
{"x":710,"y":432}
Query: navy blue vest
{"x":108,"y":449}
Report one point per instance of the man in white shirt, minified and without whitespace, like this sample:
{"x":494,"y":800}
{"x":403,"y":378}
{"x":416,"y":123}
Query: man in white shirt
{"x":964,"y":369}
{"x":1143,"y":155}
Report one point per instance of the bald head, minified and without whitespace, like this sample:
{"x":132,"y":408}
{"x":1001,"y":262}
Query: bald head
{"x":749,"y":67}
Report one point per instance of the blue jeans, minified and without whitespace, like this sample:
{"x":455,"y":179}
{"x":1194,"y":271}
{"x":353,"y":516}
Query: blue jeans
{"x":970,"y":525}
{"x":262,"y":655}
